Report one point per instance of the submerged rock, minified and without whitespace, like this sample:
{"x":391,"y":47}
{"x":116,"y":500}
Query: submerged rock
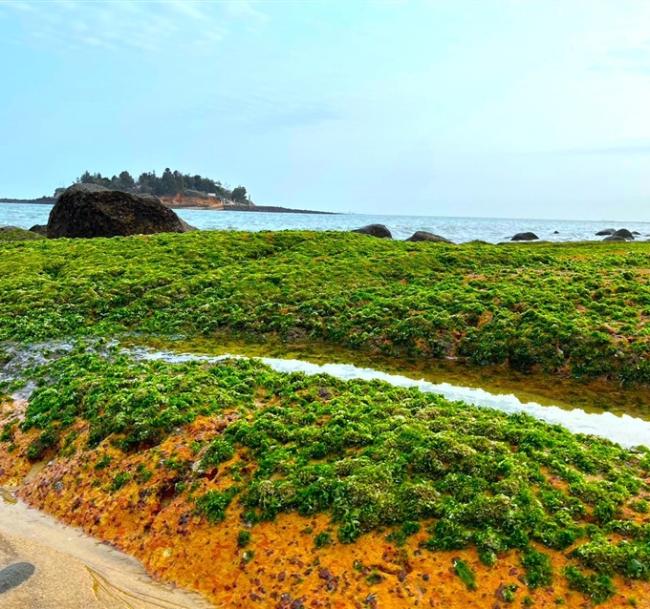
{"x":524,"y":237}
{"x":423,"y":235}
{"x":374,"y":230}
{"x":605,"y":232}
{"x":88,"y":210}
{"x":40,"y":229}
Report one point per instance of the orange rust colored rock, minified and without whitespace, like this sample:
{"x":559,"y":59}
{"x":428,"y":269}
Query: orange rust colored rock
{"x":281,"y":568}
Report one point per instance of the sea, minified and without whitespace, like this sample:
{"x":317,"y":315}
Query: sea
{"x":458,"y":230}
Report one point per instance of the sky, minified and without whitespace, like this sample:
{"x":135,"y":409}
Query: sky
{"x":490,"y":108}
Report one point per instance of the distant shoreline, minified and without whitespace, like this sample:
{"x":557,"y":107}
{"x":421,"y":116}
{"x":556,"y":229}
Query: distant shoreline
{"x":267,"y":208}
{"x":39,"y":201}
{"x":257,"y":208}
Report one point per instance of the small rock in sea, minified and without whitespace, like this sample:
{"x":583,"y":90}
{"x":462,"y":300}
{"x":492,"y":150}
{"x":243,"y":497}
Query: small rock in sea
{"x":605,"y":232}
{"x":423,"y":235}
{"x":374,"y":230}
{"x":622,"y":234}
{"x":636,"y":233}
{"x":556,"y":232}
{"x":524,"y":237}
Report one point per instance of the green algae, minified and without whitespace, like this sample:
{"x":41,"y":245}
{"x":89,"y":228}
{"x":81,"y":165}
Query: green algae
{"x":558,"y":308}
{"x":369,"y":455}
{"x":12,"y":233}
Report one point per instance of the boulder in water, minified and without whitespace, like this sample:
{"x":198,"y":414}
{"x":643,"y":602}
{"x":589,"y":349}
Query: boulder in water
{"x":622,"y":233}
{"x":89,"y":210}
{"x":422,"y":235}
{"x":605,"y":232}
{"x":524,"y":237}
{"x":374,"y":230}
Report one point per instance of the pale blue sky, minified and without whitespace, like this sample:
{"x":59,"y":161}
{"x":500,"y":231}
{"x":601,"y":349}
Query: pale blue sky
{"x":524,"y":108}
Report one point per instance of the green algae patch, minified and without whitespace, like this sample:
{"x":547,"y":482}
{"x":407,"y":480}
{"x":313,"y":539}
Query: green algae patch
{"x":12,"y":233}
{"x":563,"y":309}
{"x":369,"y":456}
{"x":465,"y":573}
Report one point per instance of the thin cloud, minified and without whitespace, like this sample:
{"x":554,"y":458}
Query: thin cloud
{"x":149,"y":27}
{"x":186,"y":8}
{"x":18,"y":5}
{"x":641,"y":148}
{"x":243,"y":9}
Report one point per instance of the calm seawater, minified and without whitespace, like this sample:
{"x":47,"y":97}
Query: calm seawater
{"x":455,"y":229}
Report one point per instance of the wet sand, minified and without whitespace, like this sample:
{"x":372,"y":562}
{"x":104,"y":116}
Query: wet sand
{"x":47,"y":565}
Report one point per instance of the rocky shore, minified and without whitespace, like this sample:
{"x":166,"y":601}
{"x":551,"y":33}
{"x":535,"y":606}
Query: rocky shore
{"x":190,"y":202}
{"x":89,"y":210}
{"x":381,"y":231}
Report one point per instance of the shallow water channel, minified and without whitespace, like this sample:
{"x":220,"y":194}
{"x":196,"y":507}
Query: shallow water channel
{"x":46,"y":565}
{"x":626,"y":421}
{"x":622,"y":428}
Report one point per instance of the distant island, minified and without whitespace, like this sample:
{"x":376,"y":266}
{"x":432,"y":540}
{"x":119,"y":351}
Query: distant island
{"x":175,"y":190}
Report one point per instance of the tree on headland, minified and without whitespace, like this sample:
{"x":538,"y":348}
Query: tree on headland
{"x":168,"y":184}
{"x":126,"y":181}
{"x":94,"y":178}
{"x":239,"y":194}
{"x":146,"y":182}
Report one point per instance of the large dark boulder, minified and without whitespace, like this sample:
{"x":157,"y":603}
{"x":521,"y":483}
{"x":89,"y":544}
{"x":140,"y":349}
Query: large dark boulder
{"x":374,"y":230}
{"x":423,"y":235}
{"x":524,"y":237}
{"x":605,"y":232}
{"x":88,"y":210}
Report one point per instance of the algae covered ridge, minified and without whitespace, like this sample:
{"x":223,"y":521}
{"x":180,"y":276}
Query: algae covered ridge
{"x":261,"y":488}
{"x":568,"y":309}
{"x":149,"y":453}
